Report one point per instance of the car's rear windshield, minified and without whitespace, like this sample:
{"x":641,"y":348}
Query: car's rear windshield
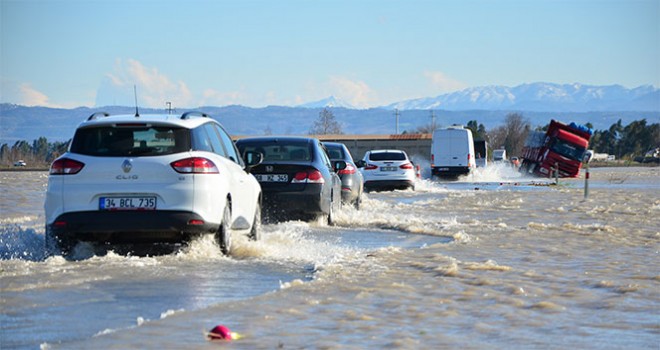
{"x":387,"y":156}
{"x":124,"y":141}
{"x":278,"y":150}
{"x":335,"y":152}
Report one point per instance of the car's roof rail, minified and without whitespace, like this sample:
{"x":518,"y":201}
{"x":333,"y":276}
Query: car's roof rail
{"x":96,"y":115}
{"x":194,"y":113}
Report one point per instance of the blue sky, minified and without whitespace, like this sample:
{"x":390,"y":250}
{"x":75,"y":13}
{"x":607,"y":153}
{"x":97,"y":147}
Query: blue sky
{"x":65,"y":53}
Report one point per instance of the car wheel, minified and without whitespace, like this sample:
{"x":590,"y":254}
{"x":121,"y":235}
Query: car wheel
{"x":223,"y":236}
{"x":255,"y":232}
{"x":58,"y":244}
{"x":358,"y":202}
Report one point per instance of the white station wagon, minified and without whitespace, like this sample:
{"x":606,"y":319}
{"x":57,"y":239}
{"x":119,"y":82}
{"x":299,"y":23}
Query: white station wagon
{"x":150,"y":179}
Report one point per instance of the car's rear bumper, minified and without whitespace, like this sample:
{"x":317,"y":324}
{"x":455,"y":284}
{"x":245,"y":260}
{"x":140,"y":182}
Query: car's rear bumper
{"x":451,"y":171}
{"x":287,"y":204}
{"x":131,"y":226}
{"x":350,"y":188}
{"x":349,"y":195}
{"x":388,"y":184}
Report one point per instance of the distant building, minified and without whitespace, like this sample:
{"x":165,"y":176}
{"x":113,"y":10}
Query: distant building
{"x":416,"y":145}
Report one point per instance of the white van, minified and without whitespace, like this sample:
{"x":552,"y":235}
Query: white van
{"x":452,"y":152}
{"x":499,"y":155}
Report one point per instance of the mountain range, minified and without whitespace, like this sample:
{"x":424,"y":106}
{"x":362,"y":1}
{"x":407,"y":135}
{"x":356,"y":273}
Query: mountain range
{"x":542,"y":97}
{"x":601,"y":106}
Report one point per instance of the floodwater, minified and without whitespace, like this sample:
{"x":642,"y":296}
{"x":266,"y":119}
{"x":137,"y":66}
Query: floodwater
{"x":489,"y":261}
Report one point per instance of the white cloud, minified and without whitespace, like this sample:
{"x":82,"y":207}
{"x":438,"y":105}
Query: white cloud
{"x":211,"y":97}
{"x":30,"y":96}
{"x":442,"y":83}
{"x":153,"y":87}
{"x":24,"y":94}
{"x":357,"y":93}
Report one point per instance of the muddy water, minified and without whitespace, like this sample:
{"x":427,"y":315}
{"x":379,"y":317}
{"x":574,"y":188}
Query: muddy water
{"x":491,"y":261}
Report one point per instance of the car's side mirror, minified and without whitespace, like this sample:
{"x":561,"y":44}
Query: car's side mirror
{"x":360,"y":163}
{"x":338,"y":165}
{"x":252,"y":159}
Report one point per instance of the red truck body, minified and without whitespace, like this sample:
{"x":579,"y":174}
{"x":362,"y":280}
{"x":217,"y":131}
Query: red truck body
{"x":561,"y":145}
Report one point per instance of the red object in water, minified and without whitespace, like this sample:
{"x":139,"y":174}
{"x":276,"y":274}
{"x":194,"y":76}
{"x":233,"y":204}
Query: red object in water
{"x":219,"y":332}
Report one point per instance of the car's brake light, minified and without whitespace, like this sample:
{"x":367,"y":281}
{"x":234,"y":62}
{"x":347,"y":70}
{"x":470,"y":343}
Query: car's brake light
{"x":371,"y":167}
{"x":66,"y":166}
{"x":350,"y":169}
{"x":195,"y":165}
{"x":300,"y":176}
{"x":406,"y":166}
{"x":309,"y":176}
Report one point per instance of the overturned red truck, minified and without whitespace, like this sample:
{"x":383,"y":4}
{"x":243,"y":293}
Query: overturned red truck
{"x":561,"y":146}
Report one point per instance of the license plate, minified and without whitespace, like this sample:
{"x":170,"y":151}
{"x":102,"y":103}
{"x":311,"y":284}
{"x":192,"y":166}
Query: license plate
{"x":443,"y":169}
{"x":127,"y":203}
{"x":388,"y":168}
{"x":272,"y":177}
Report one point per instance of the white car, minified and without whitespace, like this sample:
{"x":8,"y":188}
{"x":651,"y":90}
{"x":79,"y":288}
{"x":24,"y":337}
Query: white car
{"x":151,"y":178}
{"x":387,"y":169}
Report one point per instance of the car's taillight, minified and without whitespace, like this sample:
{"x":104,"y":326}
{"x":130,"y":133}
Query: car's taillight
{"x":309,"y":176}
{"x":350,"y":169}
{"x":406,"y":166}
{"x":371,"y":167}
{"x":66,"y":166}
{"x":195,"y":165}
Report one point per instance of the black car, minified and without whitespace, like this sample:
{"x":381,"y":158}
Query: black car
{"x":297,"y":178}
{"x":351,"y":178}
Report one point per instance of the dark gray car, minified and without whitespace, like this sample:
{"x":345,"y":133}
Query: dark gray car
{"x":297,"y":178}
{"x":351,"y":179}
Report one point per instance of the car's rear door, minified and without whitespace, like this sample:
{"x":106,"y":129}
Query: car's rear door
{"x":134,"y":176}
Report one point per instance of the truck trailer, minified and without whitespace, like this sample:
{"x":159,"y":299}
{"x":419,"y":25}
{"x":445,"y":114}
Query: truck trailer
{"x":561,"y":147}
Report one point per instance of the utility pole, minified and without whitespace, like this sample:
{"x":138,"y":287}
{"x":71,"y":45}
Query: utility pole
{"x":396,"y":113}
{"x":432,"y":120}
{"x":169,"y":107}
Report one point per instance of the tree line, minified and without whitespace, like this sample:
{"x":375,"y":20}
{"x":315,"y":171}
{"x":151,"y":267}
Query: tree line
{"x":624,"y":142}
{"x":39,"y":153}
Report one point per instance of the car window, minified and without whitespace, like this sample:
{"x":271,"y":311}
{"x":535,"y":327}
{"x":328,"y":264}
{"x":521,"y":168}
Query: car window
{"x":230,"y":147}
{"x":200,"y":140}
{"x":111,"y":141}
{"x":324,"y":156}
{"x":214,"y":138}
{"x":276,"y":150}
{"x":335,"y":152}
{"x":387,"y":156}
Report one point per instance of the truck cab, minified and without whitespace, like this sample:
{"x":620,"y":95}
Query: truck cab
{"x":562,"y":147}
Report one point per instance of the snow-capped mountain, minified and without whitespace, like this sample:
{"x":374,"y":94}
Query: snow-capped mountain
{"x":327,"y":102}
{"x":542,"y":97}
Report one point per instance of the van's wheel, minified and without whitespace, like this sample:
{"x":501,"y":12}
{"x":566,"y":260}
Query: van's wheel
{"x":223,"y":236}
{"x":255,"y":232}
{"x":58,"y":244}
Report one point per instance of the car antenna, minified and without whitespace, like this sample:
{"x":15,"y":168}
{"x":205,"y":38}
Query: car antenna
{"x":137,"y":114}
